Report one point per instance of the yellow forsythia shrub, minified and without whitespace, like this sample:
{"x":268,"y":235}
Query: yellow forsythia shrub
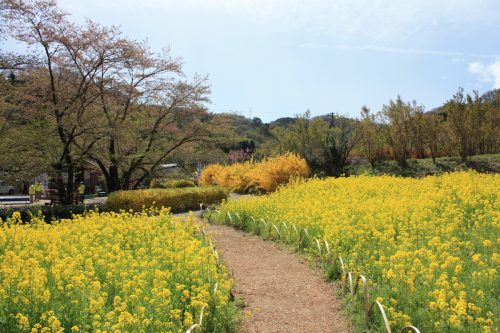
{"x":178,"y":200}
{"x":110,"y":273}
{"x":265,"y":176}
{"x":430,"y":247}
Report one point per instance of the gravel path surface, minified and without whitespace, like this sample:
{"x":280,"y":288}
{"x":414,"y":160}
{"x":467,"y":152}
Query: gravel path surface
{"x":281,"y":294}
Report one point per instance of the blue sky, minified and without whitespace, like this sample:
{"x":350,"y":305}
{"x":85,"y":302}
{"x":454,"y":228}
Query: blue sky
{"x":276,"y":58}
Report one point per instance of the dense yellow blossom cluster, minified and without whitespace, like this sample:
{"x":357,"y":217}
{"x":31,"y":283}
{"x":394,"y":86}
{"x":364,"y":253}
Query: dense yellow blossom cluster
{"x":108,"y":272}
{"x":249,"y":176}
{"x":430,"y":246}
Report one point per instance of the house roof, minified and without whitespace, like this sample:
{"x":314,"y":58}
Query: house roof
{"x":169,"y":165}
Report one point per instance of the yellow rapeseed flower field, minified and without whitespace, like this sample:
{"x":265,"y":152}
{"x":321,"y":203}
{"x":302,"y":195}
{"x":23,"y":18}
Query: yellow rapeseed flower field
{"x":108,"y":272}
{"x":430,"y":247}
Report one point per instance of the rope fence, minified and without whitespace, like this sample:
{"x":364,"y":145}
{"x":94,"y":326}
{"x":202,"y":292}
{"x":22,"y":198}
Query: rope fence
{"x":300,"y":236}
{"x":199,"y":325}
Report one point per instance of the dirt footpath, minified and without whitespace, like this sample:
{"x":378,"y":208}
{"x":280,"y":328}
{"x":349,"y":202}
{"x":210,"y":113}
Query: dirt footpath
{"x":280,"y":293}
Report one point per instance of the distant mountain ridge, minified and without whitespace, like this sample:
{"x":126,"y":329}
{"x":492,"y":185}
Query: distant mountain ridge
{"x":488,"y":96}
{"x":282,"y":122}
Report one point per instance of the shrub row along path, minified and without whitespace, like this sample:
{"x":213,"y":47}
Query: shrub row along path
{"x":280,"y":293}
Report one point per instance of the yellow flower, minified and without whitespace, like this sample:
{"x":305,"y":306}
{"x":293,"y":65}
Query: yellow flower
{"x":420,"y":241}
{"x":188,"y":319}
{"x":136,"y":260}
{"x":22,"y":321}
{"x":454,"y":321}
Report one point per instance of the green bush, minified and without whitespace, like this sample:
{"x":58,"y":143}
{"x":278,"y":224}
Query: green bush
{"x":50,"y":213}
{"x":179,"y":200}
{"x":171,"y":183}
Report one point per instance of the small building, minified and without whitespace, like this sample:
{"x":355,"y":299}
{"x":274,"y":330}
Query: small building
{"x":172,"y":168}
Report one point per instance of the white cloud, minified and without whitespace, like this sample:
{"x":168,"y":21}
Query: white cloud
{"x":387,"y":49}
{"x":375,"y":21}
{"x":487,"y":73}
{"x":313,"y":45}
{"x":458,"y":56}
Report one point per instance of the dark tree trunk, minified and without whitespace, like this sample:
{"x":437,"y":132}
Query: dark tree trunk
{"x":61,"y":189}
{"x":114,"y":179}
{"x":432,"y":151}
{"x":70,"y":184}
{"x":402,"y":163}
{"x":372,"y":163}
{"x":126,"y":182}
{"x":114,"y":175}
{"x":463,"y":156}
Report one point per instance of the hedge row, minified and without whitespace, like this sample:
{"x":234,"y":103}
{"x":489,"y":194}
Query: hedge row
{"x":50,"y":213}
{"x":179,"y":200}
